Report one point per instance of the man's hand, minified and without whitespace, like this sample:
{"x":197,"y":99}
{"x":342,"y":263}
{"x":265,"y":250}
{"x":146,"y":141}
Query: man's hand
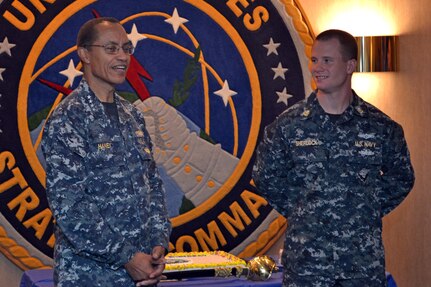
{"x":158,"y":255}
{"x":140,"y":267}
{"x":147,"y":269}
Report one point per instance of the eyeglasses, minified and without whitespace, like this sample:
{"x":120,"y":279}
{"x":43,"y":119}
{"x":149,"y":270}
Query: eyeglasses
{"x":114,"y":49}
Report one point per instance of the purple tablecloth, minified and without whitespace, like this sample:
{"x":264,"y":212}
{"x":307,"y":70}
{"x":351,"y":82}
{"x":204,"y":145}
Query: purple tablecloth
{"x":43,"y":278}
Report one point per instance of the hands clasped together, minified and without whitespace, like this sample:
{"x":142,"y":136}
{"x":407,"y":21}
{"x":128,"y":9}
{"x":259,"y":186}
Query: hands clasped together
{"x":147,"y":269}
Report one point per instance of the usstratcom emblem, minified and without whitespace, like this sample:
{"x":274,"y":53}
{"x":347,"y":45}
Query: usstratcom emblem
{"x":209,"y":75}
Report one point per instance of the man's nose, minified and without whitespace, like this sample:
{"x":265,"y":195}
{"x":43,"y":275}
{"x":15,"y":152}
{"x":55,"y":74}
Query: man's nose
{"x":122,"y":54}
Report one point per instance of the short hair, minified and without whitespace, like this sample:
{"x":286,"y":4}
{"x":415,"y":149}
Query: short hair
{"x":349,"y":47}
{"x":88,"y":33}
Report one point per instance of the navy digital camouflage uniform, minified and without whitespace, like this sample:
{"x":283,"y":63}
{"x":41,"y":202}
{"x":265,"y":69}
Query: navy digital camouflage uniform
{"x":333,"y":181}
{"x":104,"y":190}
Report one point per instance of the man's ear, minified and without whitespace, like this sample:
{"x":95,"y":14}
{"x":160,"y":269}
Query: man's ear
{"x":351,"y":66}
{"x":83,"y":55}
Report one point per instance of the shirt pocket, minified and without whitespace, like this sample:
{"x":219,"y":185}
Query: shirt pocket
{"x":108,"y":175}
{"x":366,"y":164}
{"x":309,"y":162}
{"x":309,"y":154}
{"x":364,"y":182}
{"x":107,"y":153}
{"x":309,"y":171}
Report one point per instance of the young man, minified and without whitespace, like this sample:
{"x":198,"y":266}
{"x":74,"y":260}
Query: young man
{"x":112,"y":228}
{"x":333,"y":165}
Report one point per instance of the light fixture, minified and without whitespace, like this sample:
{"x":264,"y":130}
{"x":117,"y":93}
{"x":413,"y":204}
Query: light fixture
{"x":377,"y":53}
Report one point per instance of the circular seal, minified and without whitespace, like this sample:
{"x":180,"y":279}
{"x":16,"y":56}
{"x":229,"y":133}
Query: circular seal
{"x":208,"y":75}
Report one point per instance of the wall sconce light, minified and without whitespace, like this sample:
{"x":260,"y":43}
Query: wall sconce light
{"x":377,"y":53}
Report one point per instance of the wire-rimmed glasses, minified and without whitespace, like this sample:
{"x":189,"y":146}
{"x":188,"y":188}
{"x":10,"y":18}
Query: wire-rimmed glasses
{"x":114,"y":49}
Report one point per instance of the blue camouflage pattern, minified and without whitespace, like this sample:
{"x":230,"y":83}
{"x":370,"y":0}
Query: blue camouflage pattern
{"x":104,"y":190}
{"x":334,"y":181}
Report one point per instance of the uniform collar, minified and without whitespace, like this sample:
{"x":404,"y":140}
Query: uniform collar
{"x":312,"y":108}
{"x":96,"y":108}
{"x":95,"y":105}
{"x":89,"y":95}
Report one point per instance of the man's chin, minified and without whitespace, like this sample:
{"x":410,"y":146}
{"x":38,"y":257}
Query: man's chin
{"x":118,"y":80}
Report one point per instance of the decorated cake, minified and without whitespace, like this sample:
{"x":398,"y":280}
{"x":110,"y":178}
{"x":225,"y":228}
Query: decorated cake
{"x":208,"y":263}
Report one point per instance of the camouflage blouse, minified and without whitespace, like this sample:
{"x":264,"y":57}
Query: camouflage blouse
{"x":103,"y":188}
{"x":334,"y":180}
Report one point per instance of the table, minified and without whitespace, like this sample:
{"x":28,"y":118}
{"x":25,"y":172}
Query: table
{"x":43,"y":278}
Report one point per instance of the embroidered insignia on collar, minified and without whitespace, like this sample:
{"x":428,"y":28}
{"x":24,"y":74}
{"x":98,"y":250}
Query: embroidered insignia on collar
{"x":139,"y":133}
{"x":305,"y":113}
{"x":360,"y":110}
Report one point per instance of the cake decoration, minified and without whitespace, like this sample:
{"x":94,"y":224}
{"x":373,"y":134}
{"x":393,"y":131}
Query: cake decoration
{"x":182,"y":265}
{"x":206,"y":263}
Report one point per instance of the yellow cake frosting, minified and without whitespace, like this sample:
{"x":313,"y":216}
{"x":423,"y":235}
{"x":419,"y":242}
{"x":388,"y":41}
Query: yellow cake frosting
{"x":221,"y":261}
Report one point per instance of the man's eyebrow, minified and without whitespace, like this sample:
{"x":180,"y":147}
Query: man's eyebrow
{"x":323,"y":57}
{"x":111,"y":42}
{"x":116,"y":43}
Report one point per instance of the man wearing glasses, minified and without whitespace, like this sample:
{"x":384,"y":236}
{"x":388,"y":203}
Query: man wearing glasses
{"x":103,"y":187}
